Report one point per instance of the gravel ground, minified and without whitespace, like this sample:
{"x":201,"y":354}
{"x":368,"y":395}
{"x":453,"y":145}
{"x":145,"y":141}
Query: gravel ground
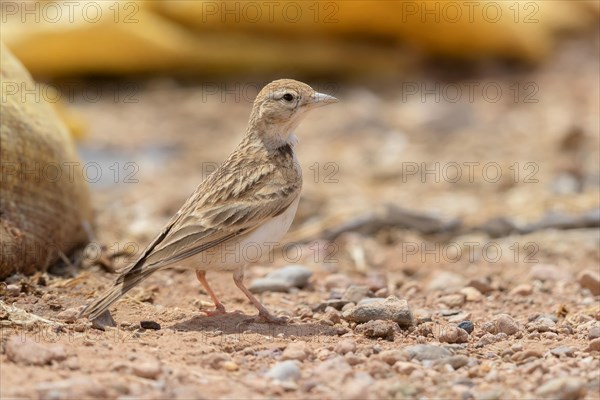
{"x":506,"y":305}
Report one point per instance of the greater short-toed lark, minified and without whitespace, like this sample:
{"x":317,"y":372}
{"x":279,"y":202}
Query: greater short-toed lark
{"x":251,"y":199}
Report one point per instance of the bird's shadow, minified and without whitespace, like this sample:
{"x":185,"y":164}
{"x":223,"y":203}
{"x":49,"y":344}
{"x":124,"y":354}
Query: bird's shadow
{"x":239,"y":324}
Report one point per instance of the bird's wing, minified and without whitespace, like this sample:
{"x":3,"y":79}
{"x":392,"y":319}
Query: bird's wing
{"x":199,"y":226}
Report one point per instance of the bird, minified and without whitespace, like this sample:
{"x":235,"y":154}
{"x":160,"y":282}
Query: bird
{"x":249,"y":200}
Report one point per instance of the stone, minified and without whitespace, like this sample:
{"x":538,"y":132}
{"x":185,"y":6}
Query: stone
{"x":566,"y":388}
{"x":345,"y":346}
{"x":453,"y":334}
{"x":230,"y":366}
{"x":285,"y":371}
{"x":521,"y":290}
{"x":562,"y":350}
{"x":356,"y":293}
{"x":594,"y":345}
{"x":25,"y":351}
{"x":338,"y":304}
{"x":453,"y":300}
{"x":590,"y":280}
{"x":405,"y":368}
{"x":422,"y":352}
{"x":526,"y":354}
{"x":296,"y":351}
{"x":282,"y":279}
{"x":148,"y":369}
{"x":390,"y":309}
{"x":332,"y":315}
{"x":594,"y":332}
{"x":392,"y":356}
{"x":481,"y":285}
{"x":504,"y":323}
{"x":542,"y":324}
{"x":150,"y":325}
{"x":377,"y":329}
{"x":467,"y":326}
{"x":471,"y":294}
{"x":455,"y":362}
{"x":70,"y":315}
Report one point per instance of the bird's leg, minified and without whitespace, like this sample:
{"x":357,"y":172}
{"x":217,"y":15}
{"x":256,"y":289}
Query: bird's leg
{"x":263,"y":313}
{"x":220,"y":308}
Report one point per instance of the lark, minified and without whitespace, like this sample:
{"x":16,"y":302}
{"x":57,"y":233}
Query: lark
{"x":250,"y":200}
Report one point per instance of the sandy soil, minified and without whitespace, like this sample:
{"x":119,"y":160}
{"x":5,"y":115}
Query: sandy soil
{"x":535,"y":316}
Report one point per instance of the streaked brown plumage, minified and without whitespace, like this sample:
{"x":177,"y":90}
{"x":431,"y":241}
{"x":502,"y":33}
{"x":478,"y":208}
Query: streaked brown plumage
{"x":250,"y":199}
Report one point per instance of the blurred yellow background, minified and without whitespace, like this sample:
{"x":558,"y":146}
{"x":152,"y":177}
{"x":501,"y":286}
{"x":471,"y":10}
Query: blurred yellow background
{"x":312,"y":37}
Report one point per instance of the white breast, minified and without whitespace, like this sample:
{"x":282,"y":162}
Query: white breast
{"x":247,"y":249}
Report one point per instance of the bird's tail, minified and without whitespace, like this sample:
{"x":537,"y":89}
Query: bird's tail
{"x":124,"y":284}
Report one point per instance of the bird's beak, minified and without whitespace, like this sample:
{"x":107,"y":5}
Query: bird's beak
{"x":320,"y":99}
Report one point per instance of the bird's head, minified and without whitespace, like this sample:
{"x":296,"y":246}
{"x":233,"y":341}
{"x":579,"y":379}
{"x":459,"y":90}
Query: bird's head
{"x":281,"y":105}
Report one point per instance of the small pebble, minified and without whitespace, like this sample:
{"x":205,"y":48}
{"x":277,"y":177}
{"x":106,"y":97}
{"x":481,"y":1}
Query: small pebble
{"x":504,"y":323}
{"x":28,"y":352}
{"x":69,"y":315}
{"x":282,"y":279}
{"x":422,"y":352}
{"x":481,"y":285}
{"x":356,"y":293}
{"x":453,"y":334}
{"x":285,"y":371}
{"x":230,"y":366}
{"x":150,"y":325}
{"x":296,"y":351}
{"x":377,"y":329}
{"x":471,"y":294}
{"x":594,"y":345}
{"x":149,"y":369}
{"x":392,"y":356}
{"x":467,"y":326}
{"x":455,"y":362}
{"x":562,"y":350}
{"x":566,"y":388}
{"x":521,"y":290}
{"x":589,"y":280}
{"x":390,"y":309}
{"x":594,"y":332}
{"x":453,"y":300}
{"x":345,"y":346}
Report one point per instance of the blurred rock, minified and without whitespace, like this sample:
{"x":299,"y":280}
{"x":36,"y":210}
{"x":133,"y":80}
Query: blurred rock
{"x":590,"y":280}
{"x":296,"y":351}
{"x":423,"y":352}
{"x":282,"y":280}
{"x":27,"y":352}
{"x":377,"y":329}
{"x":454,"y":334}
{"x":567,"y":388}
{"x":390,"y":309}
{"x":285,"y":371}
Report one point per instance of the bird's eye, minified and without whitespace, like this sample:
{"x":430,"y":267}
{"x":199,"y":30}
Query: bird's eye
{"x":288,"y":97}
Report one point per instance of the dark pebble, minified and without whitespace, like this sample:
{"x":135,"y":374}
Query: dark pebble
{"x":150,"y":325}
{"x":467,"y":326}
